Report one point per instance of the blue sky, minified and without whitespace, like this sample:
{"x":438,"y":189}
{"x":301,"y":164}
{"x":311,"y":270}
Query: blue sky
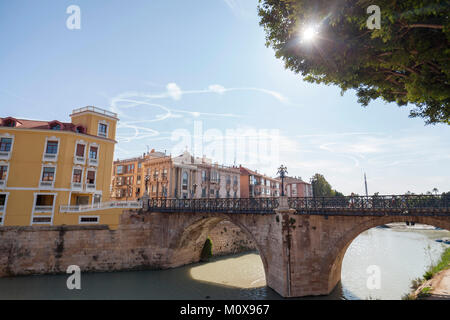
{"x":170,"y":67}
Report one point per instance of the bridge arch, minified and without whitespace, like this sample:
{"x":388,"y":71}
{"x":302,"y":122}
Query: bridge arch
{"x":332,"y":265}
{"x":189,"y":238}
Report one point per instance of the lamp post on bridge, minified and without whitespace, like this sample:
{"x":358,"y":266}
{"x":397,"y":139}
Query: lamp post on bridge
{"x":145,"y":197}
{"x":282,"y":170}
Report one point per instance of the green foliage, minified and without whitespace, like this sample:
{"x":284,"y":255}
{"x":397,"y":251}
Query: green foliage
{"x":425,"y":292}
{"x":321,"y":187}
{"x":207,"y":250}
{"x":405,"y":61}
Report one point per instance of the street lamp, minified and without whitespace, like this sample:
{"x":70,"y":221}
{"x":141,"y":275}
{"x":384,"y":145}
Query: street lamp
{"x":282,"y":170}
{"x":147,"y":179}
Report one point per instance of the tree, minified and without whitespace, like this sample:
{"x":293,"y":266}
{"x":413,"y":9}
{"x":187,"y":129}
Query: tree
{"x":321,"y":187}
{"x":405,"y":61}
{"x":206,"y":253}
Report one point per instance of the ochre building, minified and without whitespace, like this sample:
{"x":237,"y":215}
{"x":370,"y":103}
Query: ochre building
{"x":55,"y":173}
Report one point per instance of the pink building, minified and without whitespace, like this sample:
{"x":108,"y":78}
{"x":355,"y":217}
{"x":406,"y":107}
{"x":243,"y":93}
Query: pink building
{"x":296,"y":187}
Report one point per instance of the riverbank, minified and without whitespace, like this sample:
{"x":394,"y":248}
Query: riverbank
{"x":435,"y":284}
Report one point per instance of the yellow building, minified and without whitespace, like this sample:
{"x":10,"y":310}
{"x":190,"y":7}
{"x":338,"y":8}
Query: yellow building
{"x":55,"y":173}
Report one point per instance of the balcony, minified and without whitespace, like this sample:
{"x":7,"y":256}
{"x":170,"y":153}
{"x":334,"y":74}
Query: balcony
{"x":46,"y":184}
{"x":96,"y":110}
{"x":79,"y":160}
{"x":101,"y":205}
{"x":93,"y":162}
{"x":50,"y":157}
{"x":42,"y":209}
{"x":5,"y":155}
{"x":90,"y":186}
{"x":77,"y":186}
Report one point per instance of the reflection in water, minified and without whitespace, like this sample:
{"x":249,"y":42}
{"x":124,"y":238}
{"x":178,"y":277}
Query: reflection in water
{"x":402,"y":255}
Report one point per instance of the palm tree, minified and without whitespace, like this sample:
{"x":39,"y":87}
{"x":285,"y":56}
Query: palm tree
{"x":435,"y":190}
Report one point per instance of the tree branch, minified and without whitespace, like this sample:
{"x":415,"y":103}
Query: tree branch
{"x":422,"y":25}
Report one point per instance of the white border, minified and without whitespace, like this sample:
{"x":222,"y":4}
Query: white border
{"x":107,"y":128}
{"x":3,"y":213}
{"x":79,"y":219}
{"x":3,"y":163}
{"x":93,"y":144}
{"x":82,"y":142}
{"x":11,"y":136}
{"x":43,"y":216}
{"x":53,"y":138}
{"x":40,"y":177}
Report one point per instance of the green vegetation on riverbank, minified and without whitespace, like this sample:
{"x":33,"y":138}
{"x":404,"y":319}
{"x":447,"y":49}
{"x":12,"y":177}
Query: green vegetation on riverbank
{"x":444,"y":263}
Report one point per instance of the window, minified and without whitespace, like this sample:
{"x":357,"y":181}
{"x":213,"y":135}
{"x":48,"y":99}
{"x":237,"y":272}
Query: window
{"x":203,"y":175}
{"x":119,"y":169}
{"x":80,"y":150}
{"x":97,"y":198}
{"x":102,"y":130}
{"x":185,"y":181}
{"x":48,"y":174}
{"x":52,"y":147}
{"x":2,"y":200}
{"x":10,"y":123}
{"x":228,"y":179}
{"x":44,"y":202}
{"x":204,"y":193}
{"x":138,"y":180}
{"x":80,"y":129}
{"x":235,"y":180}
{"x":55,"y":126}
{"x":77,"y":173}
{"x":90,"y":179}
{"x":139,"y":165}
{"x":5,"y":144}
{"x":3,"y":172}
{"x":88,"y":219}
{"x":93,"y":153}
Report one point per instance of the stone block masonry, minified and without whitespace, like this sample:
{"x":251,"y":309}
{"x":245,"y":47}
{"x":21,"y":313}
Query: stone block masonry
{"x":302,"y":253}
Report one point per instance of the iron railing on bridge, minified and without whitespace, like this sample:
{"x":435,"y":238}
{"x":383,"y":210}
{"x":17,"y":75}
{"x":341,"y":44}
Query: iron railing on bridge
{"x":228,"y":205}
{"x":372,"y":202}
{"x":392,"y":204}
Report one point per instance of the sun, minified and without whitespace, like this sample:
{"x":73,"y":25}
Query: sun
{"x":309,"y":34}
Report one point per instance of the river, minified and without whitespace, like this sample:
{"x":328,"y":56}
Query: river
{"x":399,"y":254}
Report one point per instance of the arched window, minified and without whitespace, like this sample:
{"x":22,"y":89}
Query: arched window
{"x":9,"y":122}
{"x":80,"y":129}
{"x":55,"y":125}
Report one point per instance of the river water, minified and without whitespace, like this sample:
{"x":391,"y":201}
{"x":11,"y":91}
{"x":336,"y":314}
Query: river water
{"x":394,"y":256}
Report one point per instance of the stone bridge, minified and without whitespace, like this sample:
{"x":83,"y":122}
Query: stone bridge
{"x":301,"y":241}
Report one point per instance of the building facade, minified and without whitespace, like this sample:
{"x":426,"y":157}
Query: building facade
{"x":296,"y":187}
{"x":182,"y":177}
{"x":54,"y":173}
{"x":257,"y":185}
